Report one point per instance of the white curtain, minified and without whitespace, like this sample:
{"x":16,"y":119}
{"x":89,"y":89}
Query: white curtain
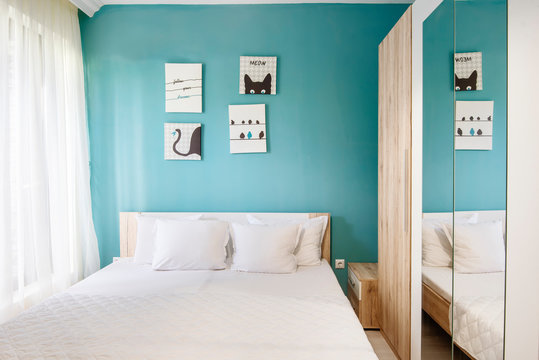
{"x":47,"y":237}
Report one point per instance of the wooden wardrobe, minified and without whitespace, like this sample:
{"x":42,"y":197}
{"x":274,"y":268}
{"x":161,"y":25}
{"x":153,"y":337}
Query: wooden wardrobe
{"x":394,"y":184}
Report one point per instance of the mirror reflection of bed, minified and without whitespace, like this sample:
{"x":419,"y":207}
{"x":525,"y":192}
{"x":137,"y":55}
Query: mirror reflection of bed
{"x":469,"y":303}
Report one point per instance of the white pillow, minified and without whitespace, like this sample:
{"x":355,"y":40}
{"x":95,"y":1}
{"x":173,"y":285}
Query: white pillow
{"x":190,"y":245}
{"x":146,"y":234}
{"x":437,"y":249}
{"x":264,"y":248}
{"x":309,"y":248}
{"x":479,"y":248}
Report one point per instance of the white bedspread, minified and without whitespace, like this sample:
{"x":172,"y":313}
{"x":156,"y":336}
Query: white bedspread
{"x":127,"y":311}
{"x":478,"y":326}
{"x":478,"y":318}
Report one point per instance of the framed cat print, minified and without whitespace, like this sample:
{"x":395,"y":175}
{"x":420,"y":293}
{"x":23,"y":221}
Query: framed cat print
{"x":183,"y":88}
{"x":473,"y":125}
{"x":258,"y":75}
{"x":182,"y":141}
{"x":247,"y":128}
{"x":468,"y":71}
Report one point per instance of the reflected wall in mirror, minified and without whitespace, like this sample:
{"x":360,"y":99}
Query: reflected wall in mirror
{"x":438,"y":101}
{"x":480,"y":182}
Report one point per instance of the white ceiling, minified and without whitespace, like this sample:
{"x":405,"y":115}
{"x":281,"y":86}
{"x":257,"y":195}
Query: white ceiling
{"x":89,"y":7}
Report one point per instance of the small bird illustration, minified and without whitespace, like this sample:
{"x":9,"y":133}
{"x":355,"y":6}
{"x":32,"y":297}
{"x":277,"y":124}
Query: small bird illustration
{"x":472,"y":131}
{"x":471,"y":118}
{"x":257,"y":122}
{"x":242,"y":136}
{"x":459,"y":131}
{"x":489,"y":118}
{"x":479,"y":132}
{"x":249,"y":135}
{"x":261,"y":135}
{"x":231,"y":122}
{"x":250,"y":122}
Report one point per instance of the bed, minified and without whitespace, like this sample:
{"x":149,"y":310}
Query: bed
{"x":129,"y":311}
{"x":478,"y":302}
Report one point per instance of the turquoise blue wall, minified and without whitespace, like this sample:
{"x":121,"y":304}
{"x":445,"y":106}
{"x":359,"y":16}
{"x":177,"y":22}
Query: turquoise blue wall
{"x":480,"y":176}
{"x":322,"y":124}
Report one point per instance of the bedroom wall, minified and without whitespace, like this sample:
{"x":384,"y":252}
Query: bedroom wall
{"x":322,"y":124}
{"x":480,"y":26}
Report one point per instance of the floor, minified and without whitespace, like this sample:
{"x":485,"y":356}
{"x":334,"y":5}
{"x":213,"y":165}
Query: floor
{"x":381,"y":348}
{"x":435,"y":343}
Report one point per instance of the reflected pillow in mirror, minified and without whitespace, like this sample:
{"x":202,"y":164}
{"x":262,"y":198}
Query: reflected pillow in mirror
{"x":437,"y":239}
{"x":479,"y":248}
{"x":436,"y":247}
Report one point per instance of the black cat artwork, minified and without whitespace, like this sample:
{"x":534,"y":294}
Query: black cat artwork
{"x":258,"y":87}
{"x":469,"y":83}
{"x":194,"y":143}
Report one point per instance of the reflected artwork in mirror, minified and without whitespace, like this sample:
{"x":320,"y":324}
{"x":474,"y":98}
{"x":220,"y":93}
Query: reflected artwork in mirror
{"x":480,"y":184}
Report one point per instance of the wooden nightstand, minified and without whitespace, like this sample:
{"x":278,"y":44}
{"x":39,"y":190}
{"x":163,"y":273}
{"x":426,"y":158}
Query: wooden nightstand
{"x":363,"y":292}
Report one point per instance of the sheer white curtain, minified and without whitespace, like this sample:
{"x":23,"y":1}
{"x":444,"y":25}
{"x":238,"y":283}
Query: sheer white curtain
{"x":47,"y":237}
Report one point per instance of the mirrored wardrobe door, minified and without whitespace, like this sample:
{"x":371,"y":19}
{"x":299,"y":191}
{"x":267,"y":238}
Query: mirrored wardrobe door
{"x":479,"y":178}
{"x":438,"y":106}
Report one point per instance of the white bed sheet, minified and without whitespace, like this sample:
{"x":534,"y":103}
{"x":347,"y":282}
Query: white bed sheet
{"x":484,"y":284}
{"x":128,"y":311}
{"x":478,"y":318}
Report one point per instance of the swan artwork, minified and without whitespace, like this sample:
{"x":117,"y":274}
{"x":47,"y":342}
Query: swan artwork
{"x":183,"y":141}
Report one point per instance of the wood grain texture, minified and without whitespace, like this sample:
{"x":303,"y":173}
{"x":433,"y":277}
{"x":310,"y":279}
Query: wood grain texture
{"x":367,"y":304}
{"x":365,"y":271}
{"x":394,"y":189}
{"x":128,"y":234}
{"x":437,"y":307}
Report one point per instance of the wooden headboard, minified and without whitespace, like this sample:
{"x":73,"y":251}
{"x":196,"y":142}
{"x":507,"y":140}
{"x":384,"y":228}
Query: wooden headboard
{"x":128,"y":226}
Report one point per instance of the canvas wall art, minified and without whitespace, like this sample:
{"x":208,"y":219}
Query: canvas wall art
{"x":183,"y":88}
{"x":247,"y":128}
{"x":469,"y":71}
{"x":258,"y":75}
{"x":473,"y":125}
{"x":182,"y":141}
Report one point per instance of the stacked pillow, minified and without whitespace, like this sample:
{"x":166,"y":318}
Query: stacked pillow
{"x":191,"y":243}
{"x":478,"y":247}
{"x":437,"y":248}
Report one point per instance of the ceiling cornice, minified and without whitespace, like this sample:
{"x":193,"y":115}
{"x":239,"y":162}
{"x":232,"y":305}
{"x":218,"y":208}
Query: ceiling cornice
{"x":89,"y":7}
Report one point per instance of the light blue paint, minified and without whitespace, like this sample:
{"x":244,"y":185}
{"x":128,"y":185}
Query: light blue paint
{"x":480,"y":176}
{"x":438,"y":39}
{"x":321,"y":125}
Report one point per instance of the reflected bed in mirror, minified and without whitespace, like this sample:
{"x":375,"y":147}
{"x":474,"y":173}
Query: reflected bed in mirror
{"x":478,"y":294}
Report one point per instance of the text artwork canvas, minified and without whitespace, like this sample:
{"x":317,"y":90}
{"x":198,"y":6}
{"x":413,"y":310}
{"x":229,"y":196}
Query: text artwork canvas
{"x":182,"y":141}
{"x":258,"y":75}
{"x":247,"y":128}
{"x":473,"y":125}
{"x":469,"y":71}
{"x":183,"y":88}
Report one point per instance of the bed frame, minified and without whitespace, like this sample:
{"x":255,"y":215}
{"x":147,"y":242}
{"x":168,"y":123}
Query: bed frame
{"x":128,"y":226}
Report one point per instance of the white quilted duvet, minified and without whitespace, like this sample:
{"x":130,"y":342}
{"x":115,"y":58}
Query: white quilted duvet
{"x":478,"y":326}
{"x":127,"y":311}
